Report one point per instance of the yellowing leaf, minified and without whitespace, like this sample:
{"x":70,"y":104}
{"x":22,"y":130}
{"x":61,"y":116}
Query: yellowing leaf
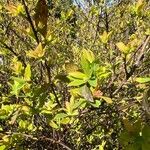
{"x":37,"y":53}
{"x":69,"y":67}
{"x":27,"y":74}
{"x":87,"y":54}
{"x":15,"y":10}
{"x":122,"y":47}
{"x":139,"y":6}
{"x":107,"y":99}
{"x":105,"y":37}
{"x":75,"y":92}
{"x":17,"y":67}
{"x":78,"y":75}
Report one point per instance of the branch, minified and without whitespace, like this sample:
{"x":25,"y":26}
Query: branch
{"x":40,"y":138}
{"x":12,"y":51}
{"x":30,"y":21}
{"x":135,"y":66}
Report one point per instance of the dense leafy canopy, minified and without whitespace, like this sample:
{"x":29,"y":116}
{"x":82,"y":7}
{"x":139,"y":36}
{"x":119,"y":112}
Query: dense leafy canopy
{"x":75,"y":74}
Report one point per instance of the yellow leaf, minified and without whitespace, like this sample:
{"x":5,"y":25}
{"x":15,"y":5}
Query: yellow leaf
{"x":122,"y":47}
{"x":139,"y":6}
{"x":87,"y":54}
{"x":27,"y":74}
{"x":78,"y":75}
{"x":107,"y":99}
{"x":37,"y":53}
{"x":15,"y":10}
{"x":105,"y":37}
{"x":16,"y":66}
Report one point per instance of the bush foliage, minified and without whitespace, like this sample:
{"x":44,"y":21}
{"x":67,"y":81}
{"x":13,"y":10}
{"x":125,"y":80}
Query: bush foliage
{"x":75,"y":75}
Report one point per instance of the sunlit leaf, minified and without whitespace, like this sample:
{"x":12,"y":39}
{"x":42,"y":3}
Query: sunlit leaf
{"x":37,"y":53}
{"x":93,"y":82}
{"x":85,"y":64}
{"x":143,"y":79}
{"x":76,"y":82}
{"x":27,"y":74}
{"x":122,"y":47}
{"x":78,"y":75}
{"x":3,"y":147}
{"x":107,"y":99}
{"x":17,"y":86}
{"x":105,"y":37}
{"x":139,"y":6}
{"x":87,"y":54}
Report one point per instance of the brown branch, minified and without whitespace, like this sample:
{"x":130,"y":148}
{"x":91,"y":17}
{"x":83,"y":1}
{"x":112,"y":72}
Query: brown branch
{"x":135,"y":66}
{"x":40,"y":138}
{"x":30,"y":21}
{"x":12,"y":51}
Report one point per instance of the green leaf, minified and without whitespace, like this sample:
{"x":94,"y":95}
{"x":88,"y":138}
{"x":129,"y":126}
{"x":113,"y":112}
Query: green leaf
{"x":60,"y":116}
{"x":78,"y":75}
{"x":30,"y":127}
{"x":76,"y":82}
{"x":27,"y":74}
{"x":93,"y":82}
{"x":96,"y":104}
{"x":17,"y":86}
{"x":2,"y":147}
{"x":53,"y":125}
{"x":23,"y":124}
{"x":143,"y":79}
{"x":85,"y":64}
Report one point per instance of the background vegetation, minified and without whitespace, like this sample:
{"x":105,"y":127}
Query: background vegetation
{"x":75,"y":75}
